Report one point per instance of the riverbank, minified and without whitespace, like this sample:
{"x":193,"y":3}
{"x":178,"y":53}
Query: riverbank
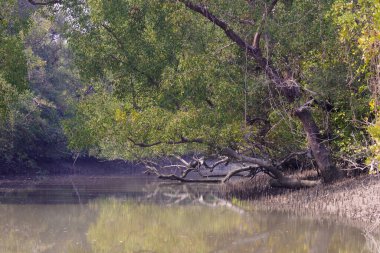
{"x":353,"y":200}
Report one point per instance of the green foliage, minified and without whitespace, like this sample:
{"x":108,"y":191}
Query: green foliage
{"x":360,"y":24}
{"x":162,"y":74}
{"x":27,"y":134}
{"x":13,"y":63}
{"x":156,"y":74}
{"x":35,"y":82}
{"x":12,"y":58}
{"x":359,"y":30}
{"x":374,"y":130}
{"x":7,"y":98}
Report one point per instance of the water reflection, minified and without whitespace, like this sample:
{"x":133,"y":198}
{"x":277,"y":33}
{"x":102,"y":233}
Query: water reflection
{"x":165,"y":218}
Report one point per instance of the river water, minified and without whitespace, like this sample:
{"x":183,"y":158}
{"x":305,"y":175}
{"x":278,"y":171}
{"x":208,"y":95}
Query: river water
{"x":132,"y":214}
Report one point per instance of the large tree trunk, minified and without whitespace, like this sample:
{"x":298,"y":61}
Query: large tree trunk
{"x":320,"y":152}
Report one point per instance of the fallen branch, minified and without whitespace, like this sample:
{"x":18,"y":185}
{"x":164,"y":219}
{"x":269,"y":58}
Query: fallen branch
{"x":237,"y":171}
{"x":245,"y":169}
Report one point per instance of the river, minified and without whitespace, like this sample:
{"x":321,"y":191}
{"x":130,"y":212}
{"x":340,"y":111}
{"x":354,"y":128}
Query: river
{"x":116,"y":214}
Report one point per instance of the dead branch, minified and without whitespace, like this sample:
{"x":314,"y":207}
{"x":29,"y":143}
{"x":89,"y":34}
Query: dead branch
{"x":247,"y":167}
{"x":243,"y":158}
{"x":181,"y":160}
{"x":225,"y":160}
{"x":187,"y":171}
{"x":238,"y":171}
{"x":153,"y":168}
{"x":174,"y":166}
{"x":187,"y":180}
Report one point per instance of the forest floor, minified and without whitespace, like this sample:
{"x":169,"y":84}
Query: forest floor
{"x":355,"y":200}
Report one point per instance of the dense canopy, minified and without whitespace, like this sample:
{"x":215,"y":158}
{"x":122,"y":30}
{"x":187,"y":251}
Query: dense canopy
{"x":260,"y":84}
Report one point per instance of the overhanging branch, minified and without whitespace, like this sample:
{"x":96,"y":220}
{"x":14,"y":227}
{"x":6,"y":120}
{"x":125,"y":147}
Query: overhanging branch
{"x":122,"y":47}
{"x":183,"y":140}
{"x":267,"y":11}
{"x":291,"y":92}
{"x":45,"y":3}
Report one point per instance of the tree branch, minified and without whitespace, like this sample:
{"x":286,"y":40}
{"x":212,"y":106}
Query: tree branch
{"x":267,"y":11}
{"x":278,"y":178}
{"x":211,"y":167}
{"x":237,"y":171}
{"x":182,"y":178}
{"x":242,"y":158}
{"x":291,"y":92}
{"x":32,"y":2}
{"x":122,"y":47}
{"x":182,"y":141}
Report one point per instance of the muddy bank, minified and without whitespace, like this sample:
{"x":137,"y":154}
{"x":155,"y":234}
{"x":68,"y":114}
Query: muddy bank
{"x":353,"y":200}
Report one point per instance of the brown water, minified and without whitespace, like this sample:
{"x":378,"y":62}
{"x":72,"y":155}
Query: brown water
{"x":130,"y":214}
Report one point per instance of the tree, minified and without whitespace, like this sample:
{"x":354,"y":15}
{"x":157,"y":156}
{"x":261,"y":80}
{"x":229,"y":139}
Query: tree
{"x":359,"y":26}
{"x":36,"y":83}
{"x":173,"y":77}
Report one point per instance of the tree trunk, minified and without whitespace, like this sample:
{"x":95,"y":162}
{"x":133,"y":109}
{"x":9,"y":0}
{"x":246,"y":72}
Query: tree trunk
{"x":320,"y":152}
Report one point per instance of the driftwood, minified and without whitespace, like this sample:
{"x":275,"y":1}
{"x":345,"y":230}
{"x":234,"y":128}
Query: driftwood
{"x":198,"y":170}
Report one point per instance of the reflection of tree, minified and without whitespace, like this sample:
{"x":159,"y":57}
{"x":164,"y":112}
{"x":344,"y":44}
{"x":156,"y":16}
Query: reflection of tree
{"x":185,"y":194}
{"x":42,"y":228}
{"x":149,"y":227}
{"x":177,"y":193}
{"x":199,"y":222}
{"x":132,"y":227}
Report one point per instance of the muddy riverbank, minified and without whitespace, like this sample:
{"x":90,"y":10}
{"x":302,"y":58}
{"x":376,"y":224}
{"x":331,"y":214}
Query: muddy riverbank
{"x":351,"y":200}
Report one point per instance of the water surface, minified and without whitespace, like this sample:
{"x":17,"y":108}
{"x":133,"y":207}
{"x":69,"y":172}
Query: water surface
{"x":132,"y":214}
